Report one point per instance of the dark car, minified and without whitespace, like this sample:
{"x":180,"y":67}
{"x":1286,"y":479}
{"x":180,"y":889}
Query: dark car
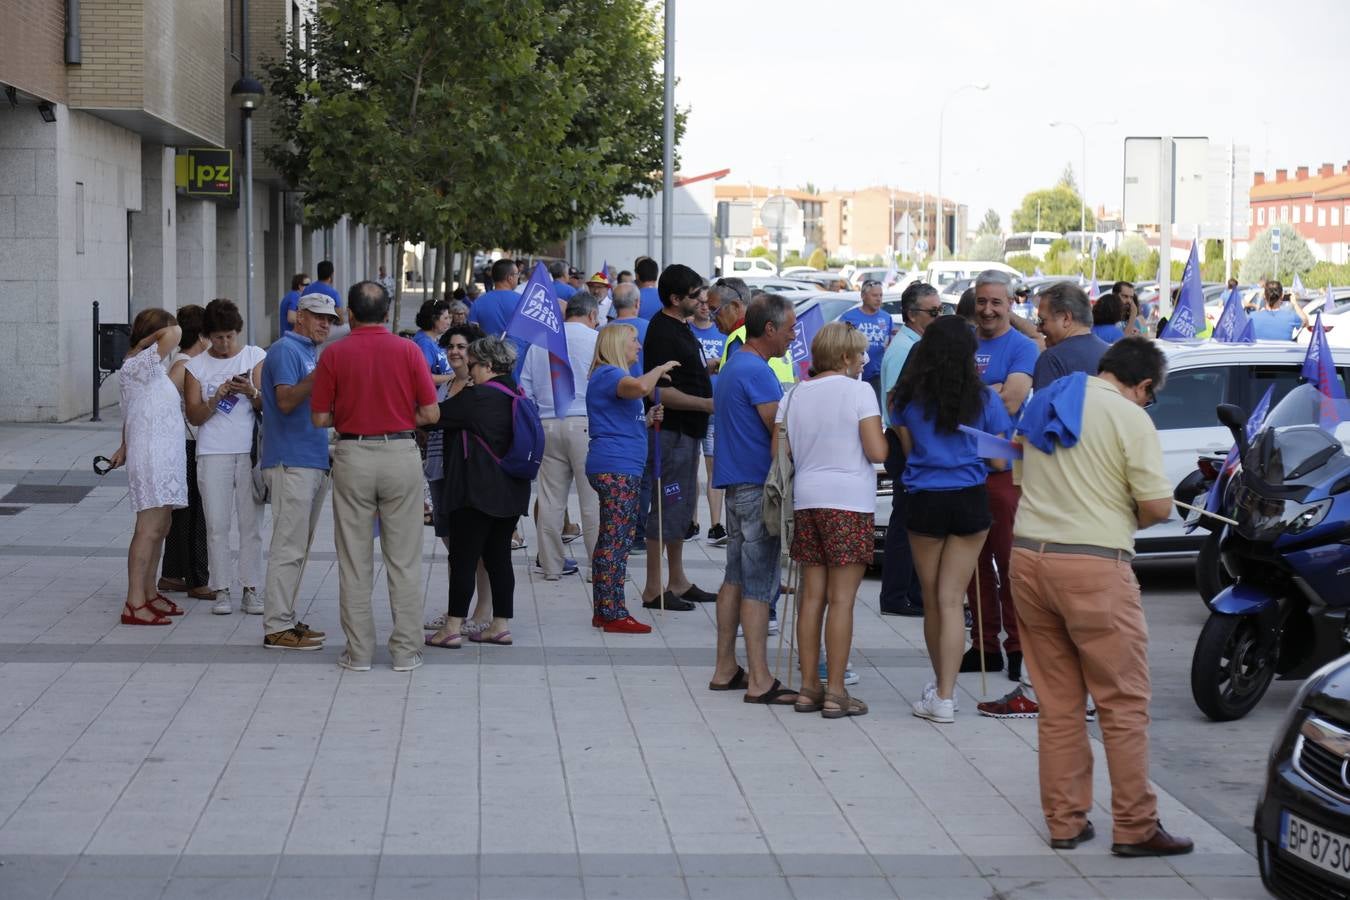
{"x":1303,"y":818}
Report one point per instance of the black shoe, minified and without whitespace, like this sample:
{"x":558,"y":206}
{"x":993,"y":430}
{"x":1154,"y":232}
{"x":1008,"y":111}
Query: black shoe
{"x":639,"y":546}
{"x":692,"y":531}
{"x":1015,"y":667}
{"x":907,"y":609}
{"x":717,"y":536}
{"x":993,"y":660}
{"x":1161,"y":844}
{"x":697,"y":595}
{"x":1087,"y":834}
{"x":673,"y":603}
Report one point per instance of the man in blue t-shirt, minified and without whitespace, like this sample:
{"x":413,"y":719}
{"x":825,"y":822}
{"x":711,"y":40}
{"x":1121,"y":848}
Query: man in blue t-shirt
{"x":625,"y":306}
{"x":325,"y":286}
{"x":493,"y":311}
{"x":647,"y":271}
{"x":1273,"y":323}
{"x":291,"y":302}
{"x":875,"y":325}
{"x":746,"y":399}
{"x":712,"y":340}
{"x":295,"y":464}
{"x":1005,"y":359}
{"x":557,"y":270}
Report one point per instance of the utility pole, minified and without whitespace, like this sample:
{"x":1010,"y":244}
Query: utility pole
{"x":668,"y":142}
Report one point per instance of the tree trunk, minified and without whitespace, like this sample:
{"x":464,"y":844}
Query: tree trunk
{"x":438,"y":278}
{"x":399,"y":279}
{"x":465,"y":267}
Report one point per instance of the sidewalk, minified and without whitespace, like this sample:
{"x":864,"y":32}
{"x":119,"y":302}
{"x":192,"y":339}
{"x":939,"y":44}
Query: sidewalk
{"x":189,"y":761}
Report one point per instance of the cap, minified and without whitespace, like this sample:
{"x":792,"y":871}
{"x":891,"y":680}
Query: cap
{"x":598,"y":278}
{"x":573,"y":272}
{"x":321,"y":304}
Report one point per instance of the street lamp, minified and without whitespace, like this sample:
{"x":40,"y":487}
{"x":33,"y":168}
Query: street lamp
{"x":1082,"y":188}
{"x":942,"y":114}
{"x":247,"y":92}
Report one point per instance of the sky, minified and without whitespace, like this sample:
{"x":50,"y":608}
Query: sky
{"x":847,"y":93}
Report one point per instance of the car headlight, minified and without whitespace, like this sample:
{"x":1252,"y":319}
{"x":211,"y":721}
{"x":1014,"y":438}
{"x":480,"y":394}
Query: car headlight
{"x":1303,"y":517}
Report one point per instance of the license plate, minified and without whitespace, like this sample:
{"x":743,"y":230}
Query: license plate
{"x":1313,"y":844}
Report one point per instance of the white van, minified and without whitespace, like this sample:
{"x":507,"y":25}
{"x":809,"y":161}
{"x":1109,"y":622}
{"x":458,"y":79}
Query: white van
{"x":743,"y":266}
{"x":941,"y":274}
{"x":1034,"y":243}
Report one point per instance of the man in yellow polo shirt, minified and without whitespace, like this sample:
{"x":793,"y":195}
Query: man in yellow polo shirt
{"x":732,"y":296}
{"x":1091,"y":475}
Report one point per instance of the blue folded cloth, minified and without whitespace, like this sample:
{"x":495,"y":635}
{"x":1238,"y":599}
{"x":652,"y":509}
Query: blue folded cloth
{"x":1054,"y":414}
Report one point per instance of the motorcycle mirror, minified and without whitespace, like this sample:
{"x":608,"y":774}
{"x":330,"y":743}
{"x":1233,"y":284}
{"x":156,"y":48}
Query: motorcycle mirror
{"x":1235,"y":418}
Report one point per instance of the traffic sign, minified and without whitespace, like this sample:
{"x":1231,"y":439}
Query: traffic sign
{"x":1275,"y":239}
{"x":921,"y":246}
{"x":780,"y":214}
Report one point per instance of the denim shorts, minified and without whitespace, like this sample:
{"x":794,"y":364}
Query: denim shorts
{"x":679,"y":482}
{"x":752,"y":553}
{"x":708,"y":439}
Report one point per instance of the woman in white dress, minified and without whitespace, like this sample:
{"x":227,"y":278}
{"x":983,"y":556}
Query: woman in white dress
{"x":153,"y":450}
{"x":221,"y":393}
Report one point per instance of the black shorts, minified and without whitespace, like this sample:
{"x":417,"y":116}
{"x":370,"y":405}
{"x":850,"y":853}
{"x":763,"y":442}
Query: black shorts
{"x":942,"y":513}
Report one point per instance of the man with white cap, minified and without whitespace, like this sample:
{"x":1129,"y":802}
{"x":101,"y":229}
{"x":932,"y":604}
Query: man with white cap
{"x":295,"y":464}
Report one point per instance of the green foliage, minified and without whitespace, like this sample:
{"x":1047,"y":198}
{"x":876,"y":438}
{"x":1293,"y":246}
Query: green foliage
{"x":760,"y":252}
{"x":990,"y":224}
{"x":819,"y":259}
{"x":1059,"y":210}
{"x":1325,"y":273}
{"x":1066,"y":180}
{"x":986,"y":246}
{"x":1294,"y":257}
{"x":1024,"y":263}
{"x":1136,"y":248}
{"x":1148,"y":269}
{"x":793,"y":258}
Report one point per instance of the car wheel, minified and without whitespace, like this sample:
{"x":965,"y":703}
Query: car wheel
{"x":1210,"y":574}
{"x":1229,"y":673}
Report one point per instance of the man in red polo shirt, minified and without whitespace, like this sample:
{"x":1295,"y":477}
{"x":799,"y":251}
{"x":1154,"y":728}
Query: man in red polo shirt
{"x":375,"y":388}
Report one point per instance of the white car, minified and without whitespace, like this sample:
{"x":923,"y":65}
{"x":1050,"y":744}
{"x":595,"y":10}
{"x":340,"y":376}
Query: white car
{"x":1336,"y":320}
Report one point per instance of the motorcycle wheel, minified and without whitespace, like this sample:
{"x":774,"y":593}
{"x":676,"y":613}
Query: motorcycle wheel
{"x":1228,"y":678}
{"x":1210,"y":575}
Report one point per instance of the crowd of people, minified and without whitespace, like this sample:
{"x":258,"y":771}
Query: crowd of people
{"x":1039,"y":549}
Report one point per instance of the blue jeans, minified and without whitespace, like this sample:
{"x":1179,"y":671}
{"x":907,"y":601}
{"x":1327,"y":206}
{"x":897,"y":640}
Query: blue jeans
{"x":752,"y":553}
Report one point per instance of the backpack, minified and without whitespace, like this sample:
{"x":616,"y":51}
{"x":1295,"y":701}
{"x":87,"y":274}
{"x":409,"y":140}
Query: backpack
{"x":523,"y":457}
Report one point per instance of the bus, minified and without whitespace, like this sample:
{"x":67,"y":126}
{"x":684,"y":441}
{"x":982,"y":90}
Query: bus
{"x":1034,"y":243}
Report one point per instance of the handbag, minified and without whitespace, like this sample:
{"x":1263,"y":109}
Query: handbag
{"x":261,"y":487}
{"x":777,"y":505}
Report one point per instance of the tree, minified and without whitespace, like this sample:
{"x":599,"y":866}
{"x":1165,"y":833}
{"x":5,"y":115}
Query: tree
{"x":1294,"y":256}
{"x":1135,"y":247}
{"x":989,"y":224}
{"x":1066,"y":179}
{"x":1055,"y":209}
{"x":985,"y":246}
{"x":819,"y":259}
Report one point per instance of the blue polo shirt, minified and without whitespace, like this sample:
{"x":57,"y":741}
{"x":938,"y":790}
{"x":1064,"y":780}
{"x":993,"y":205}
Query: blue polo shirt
{"x":1008,"y":354}
{"x":742,"y":440}
{"x":289,"y":304}
{"x":323,"y":287}
{"x":563,"y":290}
{"x":290,"y":439}
{"x":877,"y":328}
{"x":435,"y":354}
{"x":493,"y":311}
{"x":618,"y":432}
{"x":947,"y":461}
{"x":650,"y":304}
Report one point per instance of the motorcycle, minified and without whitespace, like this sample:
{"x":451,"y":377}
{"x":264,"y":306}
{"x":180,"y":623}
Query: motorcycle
{"x":1285,"y":614}
{"x":1207,"y":481}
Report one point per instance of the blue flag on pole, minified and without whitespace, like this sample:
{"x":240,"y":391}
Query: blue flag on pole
{"x":889,"y":278}
{"x":1297,"y":286}
{"x":1095,"y":290}
{"x":1038,"y":273}
{"x":1320,"y":371}
{"x":800,"y":349}
{"x":1234,"y":325}
{"x":1254,"y":423}
{"x":538,"y":321}
{"x":1188,"y":319}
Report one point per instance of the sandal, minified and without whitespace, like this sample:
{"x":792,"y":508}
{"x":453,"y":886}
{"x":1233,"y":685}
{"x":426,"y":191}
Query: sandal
{"x":502,"y":638}
{"x":776,"y":695}
{"x":164,"y":606}
{"x":846,"y":706}
{"x":737,"y":682}
{"x":809,"y":701}
{"x":445,"y":641}
{"x":129,"y":615}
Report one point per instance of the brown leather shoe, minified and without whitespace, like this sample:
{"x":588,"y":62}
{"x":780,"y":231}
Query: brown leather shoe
{"x":1161,"y":844}
{"x":172,"y":585}
{"x":201,"y":593}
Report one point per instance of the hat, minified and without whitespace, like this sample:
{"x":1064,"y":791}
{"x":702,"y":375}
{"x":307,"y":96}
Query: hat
{"x":598,"y":278}
{"x":573,"y":272}
{"x":321,"y":304}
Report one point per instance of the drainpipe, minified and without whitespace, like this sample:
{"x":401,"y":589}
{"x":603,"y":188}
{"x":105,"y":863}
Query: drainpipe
{"x":73,"y":57}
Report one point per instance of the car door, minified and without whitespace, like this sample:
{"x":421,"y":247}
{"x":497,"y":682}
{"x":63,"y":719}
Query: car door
{"x":1184,"y":415}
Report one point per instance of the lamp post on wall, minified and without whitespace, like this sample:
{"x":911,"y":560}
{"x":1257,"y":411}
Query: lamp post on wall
{"x":248,"y":93}
{"x":942,"y":115}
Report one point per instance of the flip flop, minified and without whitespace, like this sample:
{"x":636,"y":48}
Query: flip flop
{"x":735,"y":683}
{"x":504,"y":638}
{"x":449,"y":642}
{"x":774,"y":696}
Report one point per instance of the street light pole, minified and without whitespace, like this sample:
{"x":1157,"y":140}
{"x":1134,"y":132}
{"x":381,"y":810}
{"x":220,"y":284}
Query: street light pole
{"x":668,"y":141}
{"x":248,"y":93}
{"x":1082,"y":187}
{"x":942,"y":115}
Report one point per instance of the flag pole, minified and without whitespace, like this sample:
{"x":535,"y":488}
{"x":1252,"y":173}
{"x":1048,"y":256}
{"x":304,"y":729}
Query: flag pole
{"x":660,"y":507}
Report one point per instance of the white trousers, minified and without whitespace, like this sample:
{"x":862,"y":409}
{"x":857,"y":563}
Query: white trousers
{"x":225,"y":481}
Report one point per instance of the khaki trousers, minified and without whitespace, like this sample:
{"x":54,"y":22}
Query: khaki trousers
{"x":297,"y":496}
{"x":384,"y":478}
{"x":566,"y":443}
{"x":1083,"y":630}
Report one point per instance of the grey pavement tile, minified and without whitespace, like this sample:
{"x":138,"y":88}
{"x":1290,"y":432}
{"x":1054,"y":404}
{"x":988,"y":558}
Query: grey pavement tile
{"x":426,"y":887}
{"x":1108,"y":865}
{"x":625,"y":864}
{"x":30,"y":886}
{"x":828,"y":888}
{"x":828,"y":864}
{"x":525,"y":888}
{"x":731,"y":865}
{"x":968,"y":888}
{"x":1146,"y":888}
{"x":753,"y":888}
{"x":216,"y":889}
{"x":530,"y":864}
{"x":1249,"y":888}
{"x":1044,"y":889}
{"x":329,"y":865}
{"x":638,"y":887}
{"x":320,"y":888}
{"x":1212,"y":863}
{"x":226,"y":865}
{"x":1038,"y":866}
{"x":103,"y":888}
{"x":420,"y":865}
{"x":147,"y":865}
{"x":924,"y":866}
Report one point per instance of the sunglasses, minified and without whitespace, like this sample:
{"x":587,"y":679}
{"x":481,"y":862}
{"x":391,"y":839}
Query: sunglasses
{"x":870,"y":283}
{"x":934,"y":312}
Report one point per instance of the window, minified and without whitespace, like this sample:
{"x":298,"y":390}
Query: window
{"x":1335,"y":217}
{"x":1307,"y":212}
{"x":1297,"y":218}
{"x":1321,"y":217}
{"x":1284,"y":213}
{"x":1189,"y":398}
{"x":1261,"y":378}
{"x":1260,"y":215}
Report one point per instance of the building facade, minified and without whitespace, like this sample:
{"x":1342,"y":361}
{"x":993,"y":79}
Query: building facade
{"x":95,"y":118}
{"x":1316,"y":205}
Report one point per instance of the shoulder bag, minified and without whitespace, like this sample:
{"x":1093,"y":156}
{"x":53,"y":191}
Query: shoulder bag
{"x":778,"y":483}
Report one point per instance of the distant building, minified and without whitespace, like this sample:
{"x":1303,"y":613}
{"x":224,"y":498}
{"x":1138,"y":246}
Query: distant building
{"x":1316,"y":206}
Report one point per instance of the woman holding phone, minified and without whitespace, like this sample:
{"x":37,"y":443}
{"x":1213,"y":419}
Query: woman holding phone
{"x":221,"y":392}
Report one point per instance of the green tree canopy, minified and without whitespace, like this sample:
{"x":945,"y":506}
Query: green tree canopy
{"x":990,"y":224}
{"x":985,"y":247}
{"x":1294,"y":256}
{"x":1135,"y":247}
{"x":1058,"y":211}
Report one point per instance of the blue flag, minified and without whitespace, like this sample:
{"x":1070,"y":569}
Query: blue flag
{"x":1320,"y":371}
{"x":1297,"y":286}
{"x":1095,"y":290}
{"x":1188,"y":319}
{"x":1234,"y":325}
{"x":1254,"y":423}
{"x":991,"y":446}
{"x":1038,"y":273}
{"x":799,"y":352}
{"x":538,"y":321}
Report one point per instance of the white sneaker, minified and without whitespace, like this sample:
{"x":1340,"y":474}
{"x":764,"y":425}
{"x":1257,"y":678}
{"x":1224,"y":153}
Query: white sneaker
{"x":930,"y":690}
{"x":412,"y":662}
{"x":934,"y":709}
{"x":773,"y":626}
{"x":252,"y":603}
{"x":222,"y":606}
{"x":346,"y":662}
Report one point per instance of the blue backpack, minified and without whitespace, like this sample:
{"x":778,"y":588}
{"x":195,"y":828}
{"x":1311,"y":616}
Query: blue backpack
{"x":523,"y":457}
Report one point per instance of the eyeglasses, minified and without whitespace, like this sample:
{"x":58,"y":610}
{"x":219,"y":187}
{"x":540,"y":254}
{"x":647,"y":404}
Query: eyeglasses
{"x":934,"y":311}
{"x":1150,"y":398}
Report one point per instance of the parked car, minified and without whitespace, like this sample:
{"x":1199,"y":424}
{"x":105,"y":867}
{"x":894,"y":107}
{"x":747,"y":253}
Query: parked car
{"x":779,"y":285}
{"x":1303,"y":815}
{"x":792,"y":270}
{"x":824,"y":281}
{"x":873,"y":274}
{"x":748,"y":265}
{"x":1336,"y":320}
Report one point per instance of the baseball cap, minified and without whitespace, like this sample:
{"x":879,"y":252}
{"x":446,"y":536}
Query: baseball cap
{"x":320,"y":304}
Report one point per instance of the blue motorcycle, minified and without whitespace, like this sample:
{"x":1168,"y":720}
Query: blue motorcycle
{"x":1286,"y":612}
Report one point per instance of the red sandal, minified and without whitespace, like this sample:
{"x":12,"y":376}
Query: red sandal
{"x":164,"y":606}
{"x":129,"y":615}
